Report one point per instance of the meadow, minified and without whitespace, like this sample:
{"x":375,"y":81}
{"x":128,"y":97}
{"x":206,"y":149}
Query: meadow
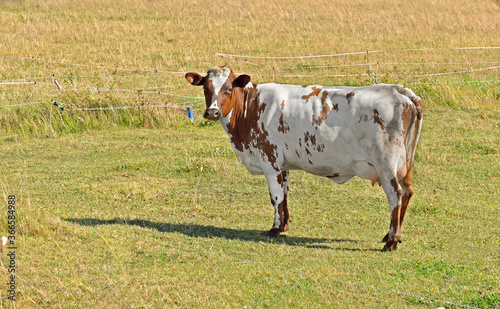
{"x":121,"y":202}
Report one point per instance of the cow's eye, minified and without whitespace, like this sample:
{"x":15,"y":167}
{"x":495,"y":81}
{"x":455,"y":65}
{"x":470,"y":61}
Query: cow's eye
{"x":229,"y":91}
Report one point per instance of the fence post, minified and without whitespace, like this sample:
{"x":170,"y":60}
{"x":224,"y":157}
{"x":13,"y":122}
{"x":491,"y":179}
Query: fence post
{"x":51,"y":103}
{"x":368,"y":69}
{"x":34,"y":77}
{"x":158,"y":85}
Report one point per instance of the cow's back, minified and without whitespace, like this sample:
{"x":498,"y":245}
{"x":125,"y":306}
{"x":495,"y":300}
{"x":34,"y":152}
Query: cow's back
{"x":328,"y":130}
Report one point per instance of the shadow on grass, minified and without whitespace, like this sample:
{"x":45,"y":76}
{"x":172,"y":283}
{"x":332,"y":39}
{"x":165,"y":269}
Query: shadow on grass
{"x":195,"y":230}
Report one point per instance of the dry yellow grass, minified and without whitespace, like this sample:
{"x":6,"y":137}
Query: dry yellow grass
{"x":183,"y":36}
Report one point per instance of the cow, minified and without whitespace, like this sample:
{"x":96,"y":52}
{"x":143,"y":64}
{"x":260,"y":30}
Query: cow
{"x":335,"y":132}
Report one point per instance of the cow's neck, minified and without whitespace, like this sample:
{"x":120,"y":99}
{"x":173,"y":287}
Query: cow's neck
{"x":243,"y":117}
{"x":238,"y":103}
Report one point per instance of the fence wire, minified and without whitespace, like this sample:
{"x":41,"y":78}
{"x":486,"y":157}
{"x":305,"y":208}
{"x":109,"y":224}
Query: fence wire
{"x":149,"y":85}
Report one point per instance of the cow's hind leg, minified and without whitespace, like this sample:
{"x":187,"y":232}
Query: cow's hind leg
{"x":407,"y":193}
{"x":405,"y":200}
{"x":278,"y":189}
{"x":394,"y":194}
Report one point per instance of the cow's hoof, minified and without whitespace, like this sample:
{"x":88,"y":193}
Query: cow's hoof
{"x":395,"y":238}
{"x":386,"y":238}
{"x":285,"y":228}
{"x":274,"y":232}
{"x":390,"y":246}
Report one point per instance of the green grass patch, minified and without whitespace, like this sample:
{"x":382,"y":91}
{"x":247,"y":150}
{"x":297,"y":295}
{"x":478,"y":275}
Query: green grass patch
{"x":153,"y":218}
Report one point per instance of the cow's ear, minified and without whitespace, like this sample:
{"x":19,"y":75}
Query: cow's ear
{"x":241,"y":81}
{"x":195,"y":79}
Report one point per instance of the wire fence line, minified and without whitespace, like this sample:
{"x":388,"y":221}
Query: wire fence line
{"x":257,"y":263}
{"x":48,"y":286}
{"x":139,"y":91}
{"x":23,"y":104}
{"x":93,"y":66}
{"x":145,"y":81}
{"x":327,"y":75}
{"x":70,"y":108}
{"x":131,"y":107}
{"x":30,"y":80}
{"x":470,"y":65}
{"x":354,"y":53}
{"x":154,"y":77}
{"x":459,"y":72}
{"x":71,"y":77}
{"x":485,"y":81}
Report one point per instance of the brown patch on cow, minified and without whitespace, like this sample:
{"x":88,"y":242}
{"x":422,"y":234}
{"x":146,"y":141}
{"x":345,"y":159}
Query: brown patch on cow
{"x":324,"y":97}
{"x":378,"y":120}
{"x":310,"y":162}
{"x":281,"y":178}
{"x":284,"y":215}
{"x":419,"y":106}
{"x":324,"y":112}
{"x":415,"y":100}
{"x":283,"y":206}
{"x":315,"y":92}
{"x":244,"y":131}
{"x":283,"y":127}
{"x":298,"y":155}
{"x":347,"y":96}
{"x":228,"y":104}
{"x":282,"y":105}
{"x":395,"y":217}
{"x":405,"y":200}
{"x":395,"y":186}
{"x":407,"y":117}
{"x":309,"y":139}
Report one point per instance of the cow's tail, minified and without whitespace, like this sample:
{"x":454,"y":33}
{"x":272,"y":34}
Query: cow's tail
{"x":412,"y":136}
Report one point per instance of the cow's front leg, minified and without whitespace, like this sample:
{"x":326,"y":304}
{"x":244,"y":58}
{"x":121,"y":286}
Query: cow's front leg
{"x":277,"y":182}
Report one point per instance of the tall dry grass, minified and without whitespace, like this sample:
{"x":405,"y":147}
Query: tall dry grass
{"x":183,"y":36}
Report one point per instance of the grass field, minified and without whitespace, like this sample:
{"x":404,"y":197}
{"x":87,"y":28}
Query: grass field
{"x":140,"y":208}
{"x":147,"y":218}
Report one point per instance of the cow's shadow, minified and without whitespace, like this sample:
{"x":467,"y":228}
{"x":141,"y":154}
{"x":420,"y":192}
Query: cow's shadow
{"x":207,"y":231}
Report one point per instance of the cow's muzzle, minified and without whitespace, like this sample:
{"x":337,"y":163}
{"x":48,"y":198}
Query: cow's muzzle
{"x":212,"y":114}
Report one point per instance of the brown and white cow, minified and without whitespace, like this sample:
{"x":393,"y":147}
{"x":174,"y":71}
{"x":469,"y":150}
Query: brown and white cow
{"x":336,"y":132}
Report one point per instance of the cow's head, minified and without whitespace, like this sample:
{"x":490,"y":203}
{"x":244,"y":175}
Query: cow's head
{"x":219,"y":86}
